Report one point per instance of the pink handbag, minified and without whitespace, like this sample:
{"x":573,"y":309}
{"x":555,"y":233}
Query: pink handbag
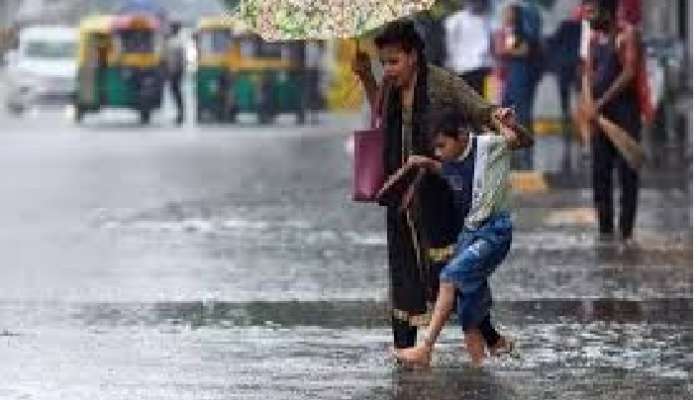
{"x":368,"y":158}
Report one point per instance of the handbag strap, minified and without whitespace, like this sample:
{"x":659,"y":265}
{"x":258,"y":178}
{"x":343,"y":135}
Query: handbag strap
{"x":376,"y":113}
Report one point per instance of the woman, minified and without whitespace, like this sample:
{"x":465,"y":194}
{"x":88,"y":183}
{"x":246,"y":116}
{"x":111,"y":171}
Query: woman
{"x":419,"y":237}
{"x":517,"y":51}
{"x":609,"y":85}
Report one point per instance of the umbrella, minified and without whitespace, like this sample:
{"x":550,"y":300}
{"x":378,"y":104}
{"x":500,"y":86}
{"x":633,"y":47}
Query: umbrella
{"x":322,"y":19}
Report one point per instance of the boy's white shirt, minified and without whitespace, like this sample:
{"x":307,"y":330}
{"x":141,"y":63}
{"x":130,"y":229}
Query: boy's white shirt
{"x":490,"y":185}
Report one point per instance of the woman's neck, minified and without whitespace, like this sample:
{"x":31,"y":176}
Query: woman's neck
{"x":408,"y":89}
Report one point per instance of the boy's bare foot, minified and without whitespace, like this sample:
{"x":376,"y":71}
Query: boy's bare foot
{"x":417,"y":356}
{"x":475,"y":345}
{"x":502,"y":346}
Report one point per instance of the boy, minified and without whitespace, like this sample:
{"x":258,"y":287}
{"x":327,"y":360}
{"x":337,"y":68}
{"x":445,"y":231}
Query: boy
{"x":476,"y":167}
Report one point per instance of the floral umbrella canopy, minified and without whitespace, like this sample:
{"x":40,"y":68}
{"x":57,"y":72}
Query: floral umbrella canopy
{"x":322,"y":19}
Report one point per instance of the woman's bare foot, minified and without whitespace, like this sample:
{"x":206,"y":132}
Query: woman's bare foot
{"x":475,"y":345}
{"x":417,"y":356}
{"x":502,"y":346}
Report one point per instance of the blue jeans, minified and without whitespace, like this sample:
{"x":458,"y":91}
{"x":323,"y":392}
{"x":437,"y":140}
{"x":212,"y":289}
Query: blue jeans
{"x":478,"y":254}
{"x":519,"y":94}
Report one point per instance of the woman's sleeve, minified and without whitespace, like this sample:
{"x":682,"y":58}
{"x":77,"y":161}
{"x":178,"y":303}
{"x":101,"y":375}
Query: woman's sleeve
{"x":465,"y":98}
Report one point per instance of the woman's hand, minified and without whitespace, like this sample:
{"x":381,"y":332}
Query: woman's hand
{"x":419,"y":161}
{"x":591,"y":110}
{"x":516,"y":47}
{"x":423,"y":162}
{"x":362,"y":66}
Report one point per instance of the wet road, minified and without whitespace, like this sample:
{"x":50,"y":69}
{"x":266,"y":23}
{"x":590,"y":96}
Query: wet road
{"x":227,"y":262}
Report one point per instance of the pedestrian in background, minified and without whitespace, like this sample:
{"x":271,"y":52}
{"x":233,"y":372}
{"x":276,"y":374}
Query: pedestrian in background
{"x":563,"y":59}
{"x":609,"y":76}
{"x":175,"y":68}
{"x":518,"y":50}
{"x":430,"y":27}
{"x":468,"y":43}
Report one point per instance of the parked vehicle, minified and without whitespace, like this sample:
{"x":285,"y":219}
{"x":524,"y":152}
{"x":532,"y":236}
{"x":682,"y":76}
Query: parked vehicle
{"x":41,"y":70}
{"x":120,"y":64}
{"x":237,"y":71}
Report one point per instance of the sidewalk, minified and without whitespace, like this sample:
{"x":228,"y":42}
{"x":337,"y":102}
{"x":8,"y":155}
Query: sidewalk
{"x":663,"y":170}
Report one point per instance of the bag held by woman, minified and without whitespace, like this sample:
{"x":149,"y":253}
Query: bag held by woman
{"x":368,"y":159}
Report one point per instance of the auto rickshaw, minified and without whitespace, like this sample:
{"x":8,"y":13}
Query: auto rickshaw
{"x":239,"y":72}
{"x":120,"y":64}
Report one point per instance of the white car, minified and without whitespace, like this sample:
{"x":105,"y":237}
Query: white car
{"x":42,"y":70}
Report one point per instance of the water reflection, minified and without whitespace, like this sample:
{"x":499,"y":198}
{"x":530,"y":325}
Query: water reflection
{"x":368,"y":314}
{"x":443,"y":383}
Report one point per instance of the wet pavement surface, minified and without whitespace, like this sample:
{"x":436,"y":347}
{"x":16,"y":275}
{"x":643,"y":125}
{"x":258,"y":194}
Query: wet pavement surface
{"x":228,"y":263}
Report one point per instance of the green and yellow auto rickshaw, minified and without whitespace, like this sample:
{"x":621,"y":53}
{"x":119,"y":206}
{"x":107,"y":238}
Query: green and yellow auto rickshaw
{"x":120,"y":64}
{"x":214,"y":39}
{"x":238,"y":72}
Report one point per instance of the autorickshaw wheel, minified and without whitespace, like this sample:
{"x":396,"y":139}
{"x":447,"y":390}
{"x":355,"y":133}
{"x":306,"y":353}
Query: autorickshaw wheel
{"x":263,"y":117}
{"x":221,"y":114}
{"x":199,"y":115}
{"x":78,"y":114}
{"x":15,"y":110}
{"x":145,"y":116}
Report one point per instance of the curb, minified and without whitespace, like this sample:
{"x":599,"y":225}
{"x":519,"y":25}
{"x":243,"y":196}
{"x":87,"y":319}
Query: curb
{"x":538,"y":182}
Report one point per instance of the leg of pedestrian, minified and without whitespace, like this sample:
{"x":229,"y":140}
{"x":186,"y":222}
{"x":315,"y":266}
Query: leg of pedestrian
{"x":629,"y":182}
{"x":176,"y":90}
{"x":603,"y":160}
{"x":496,"y":343}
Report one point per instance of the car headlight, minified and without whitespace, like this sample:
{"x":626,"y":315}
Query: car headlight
{"x":27,"y":80}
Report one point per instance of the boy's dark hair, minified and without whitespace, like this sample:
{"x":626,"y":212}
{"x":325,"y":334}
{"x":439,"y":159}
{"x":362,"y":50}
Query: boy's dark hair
{"x":448,"y":122}
{"x":400,"y":33}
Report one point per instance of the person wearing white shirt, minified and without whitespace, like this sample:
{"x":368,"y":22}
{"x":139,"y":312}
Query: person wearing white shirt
{"x":175,"y":68}
{"x":468,"y":43}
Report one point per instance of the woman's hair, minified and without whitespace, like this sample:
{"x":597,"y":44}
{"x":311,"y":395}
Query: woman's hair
{"x":400,"y":33}
{"x":447,"y":122}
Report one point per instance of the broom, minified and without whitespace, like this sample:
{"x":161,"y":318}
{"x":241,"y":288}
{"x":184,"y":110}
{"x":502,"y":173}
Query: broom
{"x":630,"y":149}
